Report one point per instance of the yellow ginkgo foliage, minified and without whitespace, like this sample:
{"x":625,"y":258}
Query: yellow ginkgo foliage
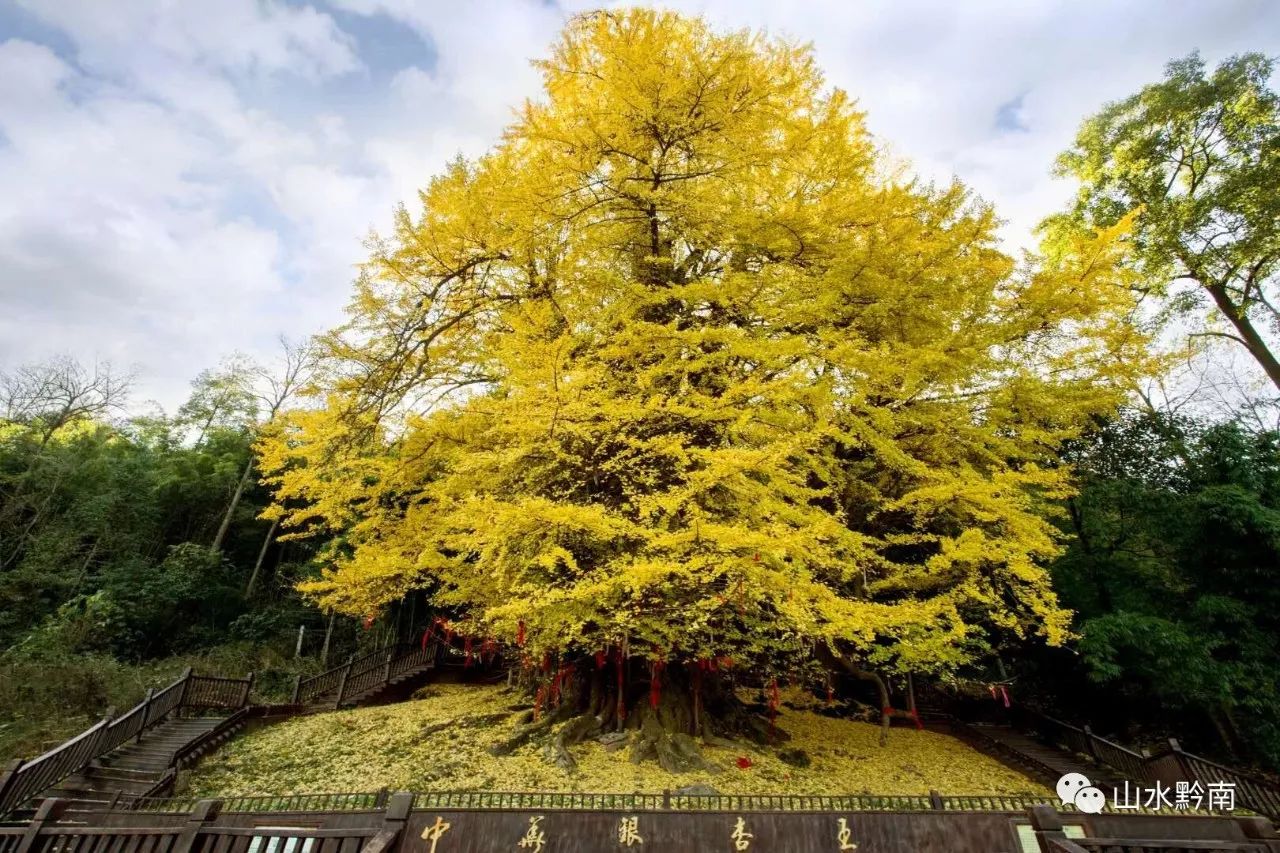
{"x":683,"y":367}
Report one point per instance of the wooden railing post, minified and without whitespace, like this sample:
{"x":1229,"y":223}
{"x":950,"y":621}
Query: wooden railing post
{"x":1046,"y":823}
{"x":386,"y":667}
{"x":1093,"y":748}
{"x":8,"y":777}
{"x":342,"y":682}
{"x":186,"y":685}
{"x":935,"y":800}
{"x":244,"y":693}
{"x":204,"y":811}
{"x":297,"y":689}
{"x":1183,"y":765}
{"x":146,"y":712}
{"x":103,"y":724}
{"x":48,"y":812}
{"x":393,"y":821}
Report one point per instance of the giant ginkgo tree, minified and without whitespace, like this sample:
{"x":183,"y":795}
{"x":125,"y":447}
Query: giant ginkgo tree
{"x":682,"y":386}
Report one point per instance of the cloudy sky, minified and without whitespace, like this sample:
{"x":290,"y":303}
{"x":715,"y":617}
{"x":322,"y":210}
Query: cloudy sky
{"x":181,"y":179}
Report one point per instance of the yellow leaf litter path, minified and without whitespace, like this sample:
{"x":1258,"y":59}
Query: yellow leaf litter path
{"x":368,"y":748}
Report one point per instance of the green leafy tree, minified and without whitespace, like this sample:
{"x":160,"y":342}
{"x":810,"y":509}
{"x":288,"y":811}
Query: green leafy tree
{"x":91,"y":510}
{"x":1197,"y":158}
{"x":1172,"y":577}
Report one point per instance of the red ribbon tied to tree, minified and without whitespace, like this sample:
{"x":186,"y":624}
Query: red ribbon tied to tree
{"x":622,"y":699}
{"x":655,"y":683}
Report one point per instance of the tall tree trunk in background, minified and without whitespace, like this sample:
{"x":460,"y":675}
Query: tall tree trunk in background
{"x":262,"y":554}
{"x":1249,"y":335}
{"x":231,"y":508}
{"x":328,"y":634}
{"x":84,"y":567}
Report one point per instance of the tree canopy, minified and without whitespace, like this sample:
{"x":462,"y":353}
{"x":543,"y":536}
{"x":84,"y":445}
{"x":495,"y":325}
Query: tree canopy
{"x":684,"y":366}
{"x":1170,"y":575}
{"x":1194,"y":160}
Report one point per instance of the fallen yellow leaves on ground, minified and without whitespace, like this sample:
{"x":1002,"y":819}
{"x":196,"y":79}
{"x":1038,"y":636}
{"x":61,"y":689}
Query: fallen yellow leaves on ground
{"x":440,"y":743}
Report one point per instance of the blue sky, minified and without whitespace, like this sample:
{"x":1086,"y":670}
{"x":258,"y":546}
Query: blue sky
{"x":186,"y":179}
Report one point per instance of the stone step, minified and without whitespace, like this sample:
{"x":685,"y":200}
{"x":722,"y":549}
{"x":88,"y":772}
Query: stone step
{"x":135,"y":766}
{"x":81,"y":797}
{"x":105,"y":784}
{"x":1056,"y":759}
{"x":154,"y":769}
{"x":164,"y":756}
{"x":115,"y":772}
{"x":170,"y":739}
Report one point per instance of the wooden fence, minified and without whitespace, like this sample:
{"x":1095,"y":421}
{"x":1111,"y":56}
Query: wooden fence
{"x":1169,"y":766}
{"x":361,"y":675}
{"x":656,"y":802}
{"x":405,"y":823}
{"x":22,"y":780}
{"x":201,"y":832}
{"x":1255,"y":835}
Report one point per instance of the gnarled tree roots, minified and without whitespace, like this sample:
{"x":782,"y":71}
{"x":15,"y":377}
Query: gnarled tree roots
{"x":662,"y":726}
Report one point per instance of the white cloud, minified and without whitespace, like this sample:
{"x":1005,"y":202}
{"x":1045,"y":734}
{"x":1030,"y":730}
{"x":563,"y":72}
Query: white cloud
{"x":238,"y":36}
{"x":185,"y":179}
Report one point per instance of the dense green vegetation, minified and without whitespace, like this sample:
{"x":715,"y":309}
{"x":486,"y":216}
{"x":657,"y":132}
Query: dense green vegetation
{"x":1171,"y":572}
{"x":108,"y":581}
{"x":1175,"y":533}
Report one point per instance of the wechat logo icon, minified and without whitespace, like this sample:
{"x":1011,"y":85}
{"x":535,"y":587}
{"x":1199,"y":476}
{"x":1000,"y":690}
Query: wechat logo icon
{"x":1075,"y":789}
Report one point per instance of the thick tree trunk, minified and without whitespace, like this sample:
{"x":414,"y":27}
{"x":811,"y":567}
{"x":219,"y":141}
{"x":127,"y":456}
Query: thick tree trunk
{"x":882,"y":689}
{"x":660,"y":724}
{"x":231,"y":507}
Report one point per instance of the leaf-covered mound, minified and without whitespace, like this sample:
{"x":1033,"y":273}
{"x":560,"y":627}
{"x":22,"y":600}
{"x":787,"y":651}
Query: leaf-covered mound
{"x":441,"y":743}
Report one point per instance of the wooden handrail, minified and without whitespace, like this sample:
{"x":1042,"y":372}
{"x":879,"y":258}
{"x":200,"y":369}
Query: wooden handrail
{"x":1253,"y":791}
{"x":317,"y":685}
{"x":361,"y":674}
{"x":23,"y":780}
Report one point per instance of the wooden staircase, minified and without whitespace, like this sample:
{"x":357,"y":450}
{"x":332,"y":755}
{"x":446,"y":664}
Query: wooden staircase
{"x":134,"y":754}
{"x":1041,"y":759}
{"x":137,"y":755}
{"x":136,"y":768}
